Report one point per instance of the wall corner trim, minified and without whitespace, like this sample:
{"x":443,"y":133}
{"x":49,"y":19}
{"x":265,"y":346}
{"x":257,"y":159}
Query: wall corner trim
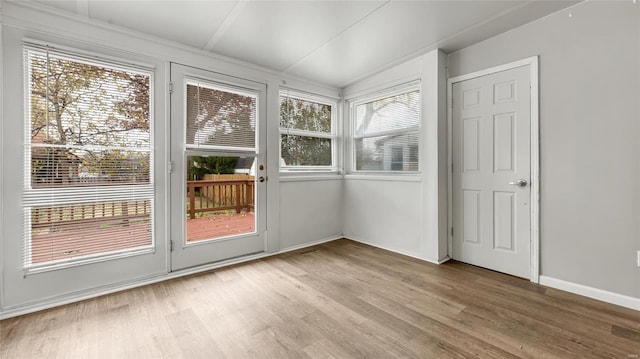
{"x":590,"y":292}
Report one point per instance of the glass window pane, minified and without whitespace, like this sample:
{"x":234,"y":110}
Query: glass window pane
{"x":217,"y":117}
{"x":304,"y":115}
{"x":305,"y":150}
{"x":387,"y":153}
{"x":66,"y":167}
{"x":391,"y":113}
{"x":62,"y":233}
{"x":220,"y":197}
{"x":87,"y":121}
{"x":89,"y":186}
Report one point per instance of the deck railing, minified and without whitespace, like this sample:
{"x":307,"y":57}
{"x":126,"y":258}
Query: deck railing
{"x":220,"y":195}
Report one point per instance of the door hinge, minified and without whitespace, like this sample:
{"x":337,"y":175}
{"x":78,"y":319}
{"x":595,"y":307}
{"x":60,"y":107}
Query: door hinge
{"x":170,"y":167}
{"x":452,"y":102}
{"x":170,"y":88}
{"x":170,"y":246}
{"x":451,"y":231}
{"x":452,"y":167}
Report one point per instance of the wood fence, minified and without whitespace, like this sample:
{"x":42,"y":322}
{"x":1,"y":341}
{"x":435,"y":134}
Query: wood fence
{"x":220,"y":193}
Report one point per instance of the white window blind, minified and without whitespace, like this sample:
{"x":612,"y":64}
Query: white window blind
{"x":386,"y":132}
{"x":88,"y":190}
{"x":307,"y":133}
{"x":220,"y":117}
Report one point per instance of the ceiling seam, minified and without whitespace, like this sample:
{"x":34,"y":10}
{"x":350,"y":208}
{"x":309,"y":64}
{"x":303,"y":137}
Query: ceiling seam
{"x":304,"y":57}
{"x":226,"y":24}
{"x":434,"y":45}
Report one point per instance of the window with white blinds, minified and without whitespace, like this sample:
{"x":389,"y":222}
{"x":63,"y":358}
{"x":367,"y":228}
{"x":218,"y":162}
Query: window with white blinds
{"x":307,"y":132}
{"x":220,"y":117}
{"x":386,"y":132}
{"x":88,"y":189}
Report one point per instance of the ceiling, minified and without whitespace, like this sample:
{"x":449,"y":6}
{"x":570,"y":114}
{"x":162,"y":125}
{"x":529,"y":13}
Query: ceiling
{"x":329,"y":42}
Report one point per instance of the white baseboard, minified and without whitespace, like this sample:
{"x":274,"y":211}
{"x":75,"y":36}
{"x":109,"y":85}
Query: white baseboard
{"x":404,"y":253}
{"x":10,"y":312}
{"x":309,"y":244}
{"x":594,"y":293}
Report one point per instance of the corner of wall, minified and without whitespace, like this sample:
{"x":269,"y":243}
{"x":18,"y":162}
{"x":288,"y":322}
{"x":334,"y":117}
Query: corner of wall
{"x":434,"y":158}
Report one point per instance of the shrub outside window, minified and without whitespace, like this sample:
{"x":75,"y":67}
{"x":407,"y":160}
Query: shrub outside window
{"x":307,"y":132}
{"x":386,"y":132}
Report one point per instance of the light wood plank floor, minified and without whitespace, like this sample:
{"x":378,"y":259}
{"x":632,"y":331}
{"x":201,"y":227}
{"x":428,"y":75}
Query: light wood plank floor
{"x":337,"y":300}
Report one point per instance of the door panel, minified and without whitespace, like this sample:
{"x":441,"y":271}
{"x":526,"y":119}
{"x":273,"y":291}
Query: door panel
{"x":218,"y":203}
{"x":491,"y":153}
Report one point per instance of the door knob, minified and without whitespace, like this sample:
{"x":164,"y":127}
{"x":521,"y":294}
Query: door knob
{"x":520,"y":183}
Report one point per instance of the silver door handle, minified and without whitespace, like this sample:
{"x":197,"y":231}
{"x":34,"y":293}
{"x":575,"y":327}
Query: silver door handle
{"x":520,"y":183}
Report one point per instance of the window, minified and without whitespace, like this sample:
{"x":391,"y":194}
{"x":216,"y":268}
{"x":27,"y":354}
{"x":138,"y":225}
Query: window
{"x":220,"y":117}
{"x":88,"y":189}
{"x":307,"y":132}
{"x":386,"y":132}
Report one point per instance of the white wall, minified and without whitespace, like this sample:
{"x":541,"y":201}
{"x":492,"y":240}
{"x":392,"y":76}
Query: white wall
{"x":405,"y":213}
{"x":589,"y":138}
{"x":310,"y":211}
{"x":384,"y":213}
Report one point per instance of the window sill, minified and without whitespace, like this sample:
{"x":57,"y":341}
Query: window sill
{"x":310,"y":176}
{"x":413,"y":177}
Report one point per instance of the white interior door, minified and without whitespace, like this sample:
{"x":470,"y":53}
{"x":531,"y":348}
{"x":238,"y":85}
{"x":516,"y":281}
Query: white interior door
{"x":218,"y":196}
{"x":491,"y":153}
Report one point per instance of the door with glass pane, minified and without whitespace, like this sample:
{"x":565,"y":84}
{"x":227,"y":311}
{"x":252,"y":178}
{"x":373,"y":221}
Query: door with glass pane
{"x":217,"y":167}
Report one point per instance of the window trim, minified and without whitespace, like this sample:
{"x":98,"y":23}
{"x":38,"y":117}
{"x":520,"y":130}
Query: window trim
{"x":353,"y":103}
{"x":30,"y":196}
{"x":332,"y":135}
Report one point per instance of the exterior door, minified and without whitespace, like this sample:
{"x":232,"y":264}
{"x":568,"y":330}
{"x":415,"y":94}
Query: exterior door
{"x":491,"y":124}
{"x":218,"y":175}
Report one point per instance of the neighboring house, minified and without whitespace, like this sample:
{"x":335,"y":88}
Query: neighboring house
{"x":246,"y":165}
{"x":400,"y":152}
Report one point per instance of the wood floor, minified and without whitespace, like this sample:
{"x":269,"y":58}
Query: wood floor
{"x":337,"y":300}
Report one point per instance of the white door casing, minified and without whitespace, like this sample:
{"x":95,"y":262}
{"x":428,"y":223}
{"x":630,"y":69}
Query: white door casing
{"x":493,"y":213}
{"x":186,"y":254}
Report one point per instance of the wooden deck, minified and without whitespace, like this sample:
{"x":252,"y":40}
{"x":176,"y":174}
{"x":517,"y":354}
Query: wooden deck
{"x":83,"y":242}
{"x":221,"y":225}
{"x":47,"y":246}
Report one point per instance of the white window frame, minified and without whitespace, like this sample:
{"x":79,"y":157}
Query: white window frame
{"x":333,"y":135}
{"x":32,"y":197}
{"x":378,"y":95}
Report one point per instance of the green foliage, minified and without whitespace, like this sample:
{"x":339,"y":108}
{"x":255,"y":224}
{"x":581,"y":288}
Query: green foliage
{"x":220,"y":118}
{"x":198,"y":166}
{"x":85,"y":114}
{"x":296,"y":150}
{"x":305,"y":115}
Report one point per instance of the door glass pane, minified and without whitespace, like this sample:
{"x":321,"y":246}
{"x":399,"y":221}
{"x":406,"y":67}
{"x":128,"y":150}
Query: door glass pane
{"x":220,"y":117}
{"x":220,"y":197}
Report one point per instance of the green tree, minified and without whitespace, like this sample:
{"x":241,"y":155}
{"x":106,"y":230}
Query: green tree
{"x":297,"y":150}
{"x":216,"y":117}
{"x":78,"y":111}
{"x":198,"y":166}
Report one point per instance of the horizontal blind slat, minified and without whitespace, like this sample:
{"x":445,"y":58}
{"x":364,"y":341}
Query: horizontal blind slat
{"x":88,"y":189}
